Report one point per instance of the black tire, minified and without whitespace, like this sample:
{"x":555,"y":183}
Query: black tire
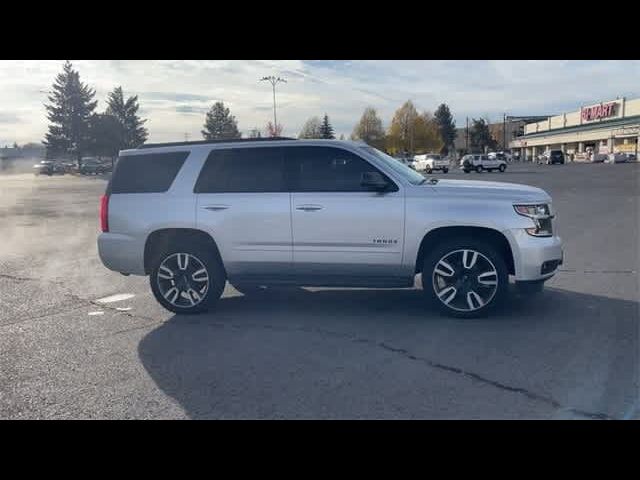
{"x":492,"y":296}
{"x":466,"y":170}
{"x":445,"y":170}
{"x":502,"y":168}
{"x":479,"y":168}
{"x":215,"y":273}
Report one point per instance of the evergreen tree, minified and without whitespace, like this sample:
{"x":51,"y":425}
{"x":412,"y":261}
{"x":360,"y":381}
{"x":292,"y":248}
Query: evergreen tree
{"x":326,"y":130}
{"x":255,"y":133}
{"x":220,"y":124}
{"x":106,"y":136}
{"x":133,"y":133}
{"x":446,"y":126}
{"x":69,"y":112}
{"x":480,"y":136}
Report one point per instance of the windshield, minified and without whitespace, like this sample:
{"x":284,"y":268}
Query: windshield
{"x":405,"y":172}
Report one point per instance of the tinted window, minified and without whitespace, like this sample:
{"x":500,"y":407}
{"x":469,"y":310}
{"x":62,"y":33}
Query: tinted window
{"x":242,"y":170}
{"x":326,"y":169}
{"x":147,"y":173}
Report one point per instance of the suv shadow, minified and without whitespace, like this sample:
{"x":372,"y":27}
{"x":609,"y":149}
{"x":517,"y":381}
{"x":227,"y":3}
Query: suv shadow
{"x":384,"y":354}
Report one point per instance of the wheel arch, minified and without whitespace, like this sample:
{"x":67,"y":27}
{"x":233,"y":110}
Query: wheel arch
{"x":490,"y":235}
{"x":161,"y":240}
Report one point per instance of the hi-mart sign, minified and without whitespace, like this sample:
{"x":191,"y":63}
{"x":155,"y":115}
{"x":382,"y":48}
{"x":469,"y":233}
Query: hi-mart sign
{"x":597,"y":112}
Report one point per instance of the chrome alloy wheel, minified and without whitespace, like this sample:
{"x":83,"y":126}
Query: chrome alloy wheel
{"x":465,"y":280}
{"x":183,"y":280}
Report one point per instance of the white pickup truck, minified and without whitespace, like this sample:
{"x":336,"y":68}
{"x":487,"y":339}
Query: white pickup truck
{"x":430,"y":162}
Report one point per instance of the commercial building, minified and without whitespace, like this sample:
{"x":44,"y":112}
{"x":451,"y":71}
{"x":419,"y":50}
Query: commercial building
{"x":599,"y":129}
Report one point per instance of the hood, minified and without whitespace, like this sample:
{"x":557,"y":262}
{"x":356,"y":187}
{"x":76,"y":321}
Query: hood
{"x":495,"y":190}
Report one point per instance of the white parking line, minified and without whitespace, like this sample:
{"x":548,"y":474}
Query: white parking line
{"x":118,"y":297}
{"x":95,"y":313}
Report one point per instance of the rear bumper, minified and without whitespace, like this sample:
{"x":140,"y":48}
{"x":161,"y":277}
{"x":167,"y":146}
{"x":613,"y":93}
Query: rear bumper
{"x":533,"y":255}
{"x":121,"y":253}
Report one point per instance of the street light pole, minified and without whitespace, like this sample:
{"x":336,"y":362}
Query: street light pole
{"x":273,"y":80}
{"x":504,"y":132}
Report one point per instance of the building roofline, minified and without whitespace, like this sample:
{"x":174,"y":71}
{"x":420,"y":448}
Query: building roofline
{"x":579,"y":128}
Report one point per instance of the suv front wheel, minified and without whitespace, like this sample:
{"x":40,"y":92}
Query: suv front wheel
{"x":465,"y":278}
{"x":187,"y":280}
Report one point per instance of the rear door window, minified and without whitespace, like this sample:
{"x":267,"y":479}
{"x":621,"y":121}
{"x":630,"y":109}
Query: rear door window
{"x":241,"y":170}
{"x":146,"y":173}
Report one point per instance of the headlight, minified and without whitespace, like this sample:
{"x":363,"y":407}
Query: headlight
{"x":541,"y":216}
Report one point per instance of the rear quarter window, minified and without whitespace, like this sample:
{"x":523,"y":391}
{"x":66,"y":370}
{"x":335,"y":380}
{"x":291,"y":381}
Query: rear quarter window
{"x":146,"y":173}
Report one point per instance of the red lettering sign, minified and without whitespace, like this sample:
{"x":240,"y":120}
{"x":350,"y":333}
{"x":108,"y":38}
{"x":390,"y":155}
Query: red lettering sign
{"x":599,"y":111}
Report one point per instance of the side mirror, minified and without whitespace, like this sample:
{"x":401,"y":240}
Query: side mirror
{"x":374,"y":181}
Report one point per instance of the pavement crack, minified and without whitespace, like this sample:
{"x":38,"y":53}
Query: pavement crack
{"x":502,"y":386}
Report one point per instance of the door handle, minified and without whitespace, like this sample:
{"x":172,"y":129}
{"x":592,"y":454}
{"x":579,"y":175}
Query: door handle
{"x":216,"y":208}
{"x":309,"y":208}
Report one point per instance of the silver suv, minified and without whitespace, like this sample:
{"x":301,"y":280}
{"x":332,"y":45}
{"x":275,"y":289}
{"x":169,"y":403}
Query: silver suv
{"x":318,"y":213}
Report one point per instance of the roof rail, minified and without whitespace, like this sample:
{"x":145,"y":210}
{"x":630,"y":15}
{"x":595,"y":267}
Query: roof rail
{"x":210,"y":142}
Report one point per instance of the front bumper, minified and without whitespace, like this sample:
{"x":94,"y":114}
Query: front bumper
{"x":531,"y":253}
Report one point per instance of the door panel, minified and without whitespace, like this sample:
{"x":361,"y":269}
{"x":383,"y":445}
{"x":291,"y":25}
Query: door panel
{"x":353,"y":233}
{"x":340,"y":228}
{"x":243,"y":204}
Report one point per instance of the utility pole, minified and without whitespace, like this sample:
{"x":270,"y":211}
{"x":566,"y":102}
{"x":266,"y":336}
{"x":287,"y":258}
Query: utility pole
{"x":466,"y":144}
{"x":273,"y":80}
{"x":504,"y":132}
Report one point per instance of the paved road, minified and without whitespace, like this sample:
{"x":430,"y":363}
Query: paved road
{"x":571,"y":352}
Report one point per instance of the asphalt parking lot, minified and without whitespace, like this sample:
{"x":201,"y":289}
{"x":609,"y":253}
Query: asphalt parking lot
{"x":79,"y":341}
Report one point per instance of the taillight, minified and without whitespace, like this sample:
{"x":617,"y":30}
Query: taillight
{"x":104,"y":213}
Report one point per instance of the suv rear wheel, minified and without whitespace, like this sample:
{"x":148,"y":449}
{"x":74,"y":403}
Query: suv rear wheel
{"x":187,"y":280}
{"x":465,"y":278}
{"x":502,"y":168}
{"x":479,"y":169}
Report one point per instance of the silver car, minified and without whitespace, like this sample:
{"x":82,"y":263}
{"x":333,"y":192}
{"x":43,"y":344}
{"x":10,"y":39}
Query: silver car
{"x":256,"y":213}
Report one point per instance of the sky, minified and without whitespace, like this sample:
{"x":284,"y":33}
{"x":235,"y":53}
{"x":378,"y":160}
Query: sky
{"x":174,"y":95}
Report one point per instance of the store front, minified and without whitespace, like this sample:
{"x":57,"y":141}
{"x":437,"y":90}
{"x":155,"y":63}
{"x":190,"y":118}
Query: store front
{"x":594,"y":130}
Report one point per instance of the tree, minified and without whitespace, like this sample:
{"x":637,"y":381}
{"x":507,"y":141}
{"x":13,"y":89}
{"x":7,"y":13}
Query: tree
{"x":311,"y":128}
{"x":401,"y":136}
{"x":446,"y":126}
{"x":369,"y":129}
{"x":479,"y":135}
{"x":272,"y":131}
{"x":426,"y":134}
{"x":69,"y":112}
{"x":326,"y":130}
{"x":255,"y":133}
{"x":15,"y":145}
{"x":106,"y":136}
{"x":220,"y":124}
{"x":125,"y":112}
{"x":342,"y":136}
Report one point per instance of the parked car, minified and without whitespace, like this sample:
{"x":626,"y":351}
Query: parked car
{"x":431,"y":161}
{"x":318,"y":213}
{"x":408,"y":161}
{"x":49,"y":167}
{"x":92,"y":166}
{"x":551,"y":157}
{"x":617,"y":158}
{"x":479,"y":163}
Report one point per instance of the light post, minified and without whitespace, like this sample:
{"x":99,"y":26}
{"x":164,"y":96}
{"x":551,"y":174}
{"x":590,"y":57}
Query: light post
{"x":273,"y":81}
